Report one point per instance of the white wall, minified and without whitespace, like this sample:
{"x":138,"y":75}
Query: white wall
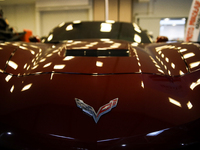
{"x":149,"y":14}
{"x":43,"y":15}
{"x":50,"y":13}
{"x":20,"y":16}
{"x":50,"y":19}
{"x":173,"y":32}
{"x":151,"y":25}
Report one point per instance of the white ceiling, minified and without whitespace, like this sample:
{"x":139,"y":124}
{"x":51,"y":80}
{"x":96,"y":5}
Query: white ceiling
{"x":13,"y":2}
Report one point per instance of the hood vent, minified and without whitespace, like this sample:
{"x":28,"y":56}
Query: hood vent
{"x":97,"y":53}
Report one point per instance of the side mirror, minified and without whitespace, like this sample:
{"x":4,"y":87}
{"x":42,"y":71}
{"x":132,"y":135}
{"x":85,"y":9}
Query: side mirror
{"x":161,"y":39}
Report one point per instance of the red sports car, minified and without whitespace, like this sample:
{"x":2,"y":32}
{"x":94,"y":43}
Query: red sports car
{"x":99,"y":85}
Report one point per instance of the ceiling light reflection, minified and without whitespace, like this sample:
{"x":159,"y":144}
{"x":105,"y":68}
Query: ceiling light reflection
{"x":94,"y":43}
{"x":173,"y":65}
{"x":9,"y":133}
{"x":123,"y":145}
{"x":181,"y":72}
{"x":160,"y":70}
{"x":55,"y":51}
{"x":183,"y":50}
{"x":34,"y":46}
{"x":25,"y":65}
{"x":134,"y":44}
{"x":188,"y":55}
{"x":52,"y":75}
{"x":69,"y":27}
{"x":34,"y":67}
{"x":110,"y":21}
{"x":68,"y":58}
{"x":157,"y":66}
{"x":194,"y":64}
{"x":105,"y":40}
{"x":77,"y":42}
{"x":167,"y":59}
{"x":156,"y":132}
{"x":22,"y":47}
{"x":194,"y":84}
{"x":50,"y":37}
{"x":61,"y":24}
{"x":12,"y":64}
{"x":12,"y":89}
{"x":189,"y":105}
{"x":26,"y":87}
{"x":76,"y":21}
{"x":49,"y":55}
{"x":164,"y":47}
{"x":169,"y":72}
{"x":137,"y":38}
{"x":47,"y":65}
{"x":28,"y":67}
{"x":32,"y":52}
{"x":60,"y":136}
{"x":136,"y":28}
{"x":106,"y":140}
{"x":33,"y":60}
{"x":42,"y":60}
{"x":106,"y":27}
{"x":175,"y":102}
{"x":69,"y":41}
{"x":8,"y":77}
{"x":58,"y":66}
{"x":99,"y":64}
{"x":142,"y":84}
{"x":115,"y":45}
{"x":89,"y":45}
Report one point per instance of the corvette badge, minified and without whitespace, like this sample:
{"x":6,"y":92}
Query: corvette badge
{"x":90,"y":110}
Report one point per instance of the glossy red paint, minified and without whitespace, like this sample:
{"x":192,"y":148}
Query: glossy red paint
{"x":156,"y":87}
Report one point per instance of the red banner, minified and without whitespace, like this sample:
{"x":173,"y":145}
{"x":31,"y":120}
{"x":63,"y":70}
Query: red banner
{"x":193,"y":24}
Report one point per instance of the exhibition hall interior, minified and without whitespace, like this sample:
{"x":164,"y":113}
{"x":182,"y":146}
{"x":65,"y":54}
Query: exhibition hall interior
{"x":99,"y":74}
{"x":157,"y":17}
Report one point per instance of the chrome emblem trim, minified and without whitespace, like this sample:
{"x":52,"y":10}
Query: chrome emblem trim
{"x":90,"y":110}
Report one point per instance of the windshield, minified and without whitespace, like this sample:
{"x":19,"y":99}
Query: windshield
{"x":98,"y":30}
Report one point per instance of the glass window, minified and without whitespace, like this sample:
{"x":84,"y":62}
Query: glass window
{"x":173,"y":28}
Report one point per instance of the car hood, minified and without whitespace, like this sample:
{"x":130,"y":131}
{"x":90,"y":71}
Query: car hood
{"x":135,"y":96}
{"x":43,"y":108}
